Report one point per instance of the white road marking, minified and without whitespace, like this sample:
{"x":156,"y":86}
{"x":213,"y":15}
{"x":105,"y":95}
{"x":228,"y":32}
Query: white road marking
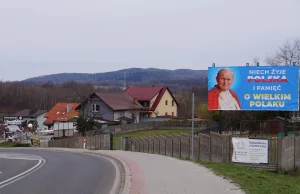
{"x":8,"y":155}
{"x":11,"y":180}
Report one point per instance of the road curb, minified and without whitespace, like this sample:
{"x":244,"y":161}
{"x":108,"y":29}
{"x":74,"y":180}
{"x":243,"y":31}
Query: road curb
{"x":123,"y":186}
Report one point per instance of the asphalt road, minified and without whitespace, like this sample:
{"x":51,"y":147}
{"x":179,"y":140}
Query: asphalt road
{"x":54,"y":172}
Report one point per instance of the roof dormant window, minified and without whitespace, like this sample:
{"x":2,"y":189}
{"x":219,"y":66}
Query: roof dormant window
{"x":95,"y":107}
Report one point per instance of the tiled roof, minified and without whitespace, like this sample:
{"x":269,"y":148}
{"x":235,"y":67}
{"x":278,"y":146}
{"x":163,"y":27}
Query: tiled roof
{"x":157,"y":100}
{"x":59,"y":112}
{"x":29,"y":113}
{"x":119,"y":100}
{"x":147,"y":93}
{"x":143,"y":92}
{"x":124,"y":118}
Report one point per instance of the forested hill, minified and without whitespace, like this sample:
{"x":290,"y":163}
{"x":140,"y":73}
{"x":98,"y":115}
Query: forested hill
{"x":133,"y":75}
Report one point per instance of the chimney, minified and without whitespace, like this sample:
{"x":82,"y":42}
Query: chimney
{"x":69,"y":107}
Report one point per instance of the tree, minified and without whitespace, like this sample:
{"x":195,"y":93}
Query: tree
{"x":255,"y":61}
{"x":134,"y":112}
{"x":85,"y":124}
{"x":288,"y":54}
{"x":184,"y":100}
{"x":81,"y":124}
{"x":202,"y":112}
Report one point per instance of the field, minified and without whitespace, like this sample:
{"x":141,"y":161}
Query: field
{"x":146,"y":133}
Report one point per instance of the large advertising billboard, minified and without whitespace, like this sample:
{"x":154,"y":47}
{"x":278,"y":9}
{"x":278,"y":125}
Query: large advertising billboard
{"x":273,"y":88}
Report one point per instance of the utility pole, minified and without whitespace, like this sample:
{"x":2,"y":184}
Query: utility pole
{"x":192,"y":146}
{"x":124,"y":80}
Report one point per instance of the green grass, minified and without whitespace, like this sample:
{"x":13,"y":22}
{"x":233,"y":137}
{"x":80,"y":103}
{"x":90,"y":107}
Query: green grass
{"x":257,"y":181}
{"x":147,"y":133}
{"x":8,"y":144}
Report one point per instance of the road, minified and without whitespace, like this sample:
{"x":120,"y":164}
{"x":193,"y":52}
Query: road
{"x":40,"y":171}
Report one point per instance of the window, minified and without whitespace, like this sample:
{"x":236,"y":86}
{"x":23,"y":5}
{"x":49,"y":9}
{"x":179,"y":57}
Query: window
{"x":146,"y":104}
{"x":166,"y":113}
{"x":166,"y":102}
{"x":172,"y":102}
{"x":172,"y":113}
{"x":95,"y":107}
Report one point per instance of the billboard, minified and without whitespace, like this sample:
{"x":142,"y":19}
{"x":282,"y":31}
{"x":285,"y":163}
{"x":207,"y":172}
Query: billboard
{"x":273,"y":88}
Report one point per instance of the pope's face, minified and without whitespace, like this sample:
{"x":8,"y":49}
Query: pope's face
{"x":225,"y":80}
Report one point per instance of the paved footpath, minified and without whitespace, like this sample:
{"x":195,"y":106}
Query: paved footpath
{"x":157,"y":174}
{"x":165,"y":175}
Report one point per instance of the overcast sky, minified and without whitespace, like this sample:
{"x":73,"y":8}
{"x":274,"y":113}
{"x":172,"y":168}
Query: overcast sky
{"x":55,"y":36}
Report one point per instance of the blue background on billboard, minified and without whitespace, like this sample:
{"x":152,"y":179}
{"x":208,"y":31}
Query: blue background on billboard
{"x":241,"y":86}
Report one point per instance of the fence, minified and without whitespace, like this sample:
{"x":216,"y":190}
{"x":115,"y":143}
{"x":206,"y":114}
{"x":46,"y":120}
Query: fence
{"x":102,"y":142}
{"x":283,"y":153}
{"x":124,"y":128}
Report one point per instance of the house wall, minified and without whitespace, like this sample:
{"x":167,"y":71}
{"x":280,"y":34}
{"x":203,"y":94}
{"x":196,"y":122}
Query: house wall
{"x":40,"y":120}
{"x":126,"y":113}
{"x":162,"y":109}
{"x":28,"y":119}
{"x":105,"y":111}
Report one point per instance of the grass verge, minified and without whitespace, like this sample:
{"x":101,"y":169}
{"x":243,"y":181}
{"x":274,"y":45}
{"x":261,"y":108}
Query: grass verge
{"x":146,"y":133}
{"x":8,"y":144}
{"x":254,"y":181}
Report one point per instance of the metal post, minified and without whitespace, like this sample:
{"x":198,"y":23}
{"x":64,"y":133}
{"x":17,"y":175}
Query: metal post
{"x":221,"y":123}
{"x":285,"y":124}
{"x":192,"y":146}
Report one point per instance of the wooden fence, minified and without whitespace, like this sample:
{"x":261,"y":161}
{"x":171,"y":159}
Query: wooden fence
{"x":283,"y":153}
{"x":101,"y":142}
{"x":124,"y":128}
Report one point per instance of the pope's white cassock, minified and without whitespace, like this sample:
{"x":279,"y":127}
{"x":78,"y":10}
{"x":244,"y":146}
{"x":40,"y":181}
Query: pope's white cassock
{"x":227,"y":101}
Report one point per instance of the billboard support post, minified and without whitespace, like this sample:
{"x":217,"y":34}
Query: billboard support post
{"x":221,"y":123}
{"x":193,"y":116}
{"x":285,"y":124}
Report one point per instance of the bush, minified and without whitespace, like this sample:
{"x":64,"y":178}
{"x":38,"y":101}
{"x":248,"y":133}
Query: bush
{"x":21,"y":145}
{"x":13,"y":144}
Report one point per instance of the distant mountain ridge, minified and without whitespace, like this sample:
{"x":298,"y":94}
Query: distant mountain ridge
{"x":133,"y":75}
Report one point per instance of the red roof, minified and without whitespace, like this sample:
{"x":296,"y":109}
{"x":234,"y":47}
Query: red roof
{"x":59,"y":112}
{"x":157,"y":100}
{"x":143,"y":92}
{"x":119,"y":100}
{"x":147,"y":93}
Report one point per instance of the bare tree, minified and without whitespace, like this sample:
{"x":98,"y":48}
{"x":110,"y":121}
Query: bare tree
{"x":185,"y":104}
{"x":255,"y":61}
{"x":134,"y":112}
{"x":288,"y":54}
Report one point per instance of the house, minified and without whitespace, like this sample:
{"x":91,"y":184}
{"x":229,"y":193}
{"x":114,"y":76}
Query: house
{"x":62,"y":116}
{"x":112,"y":107}
{"x":32,"y":116}
{"x":156,"y":100}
